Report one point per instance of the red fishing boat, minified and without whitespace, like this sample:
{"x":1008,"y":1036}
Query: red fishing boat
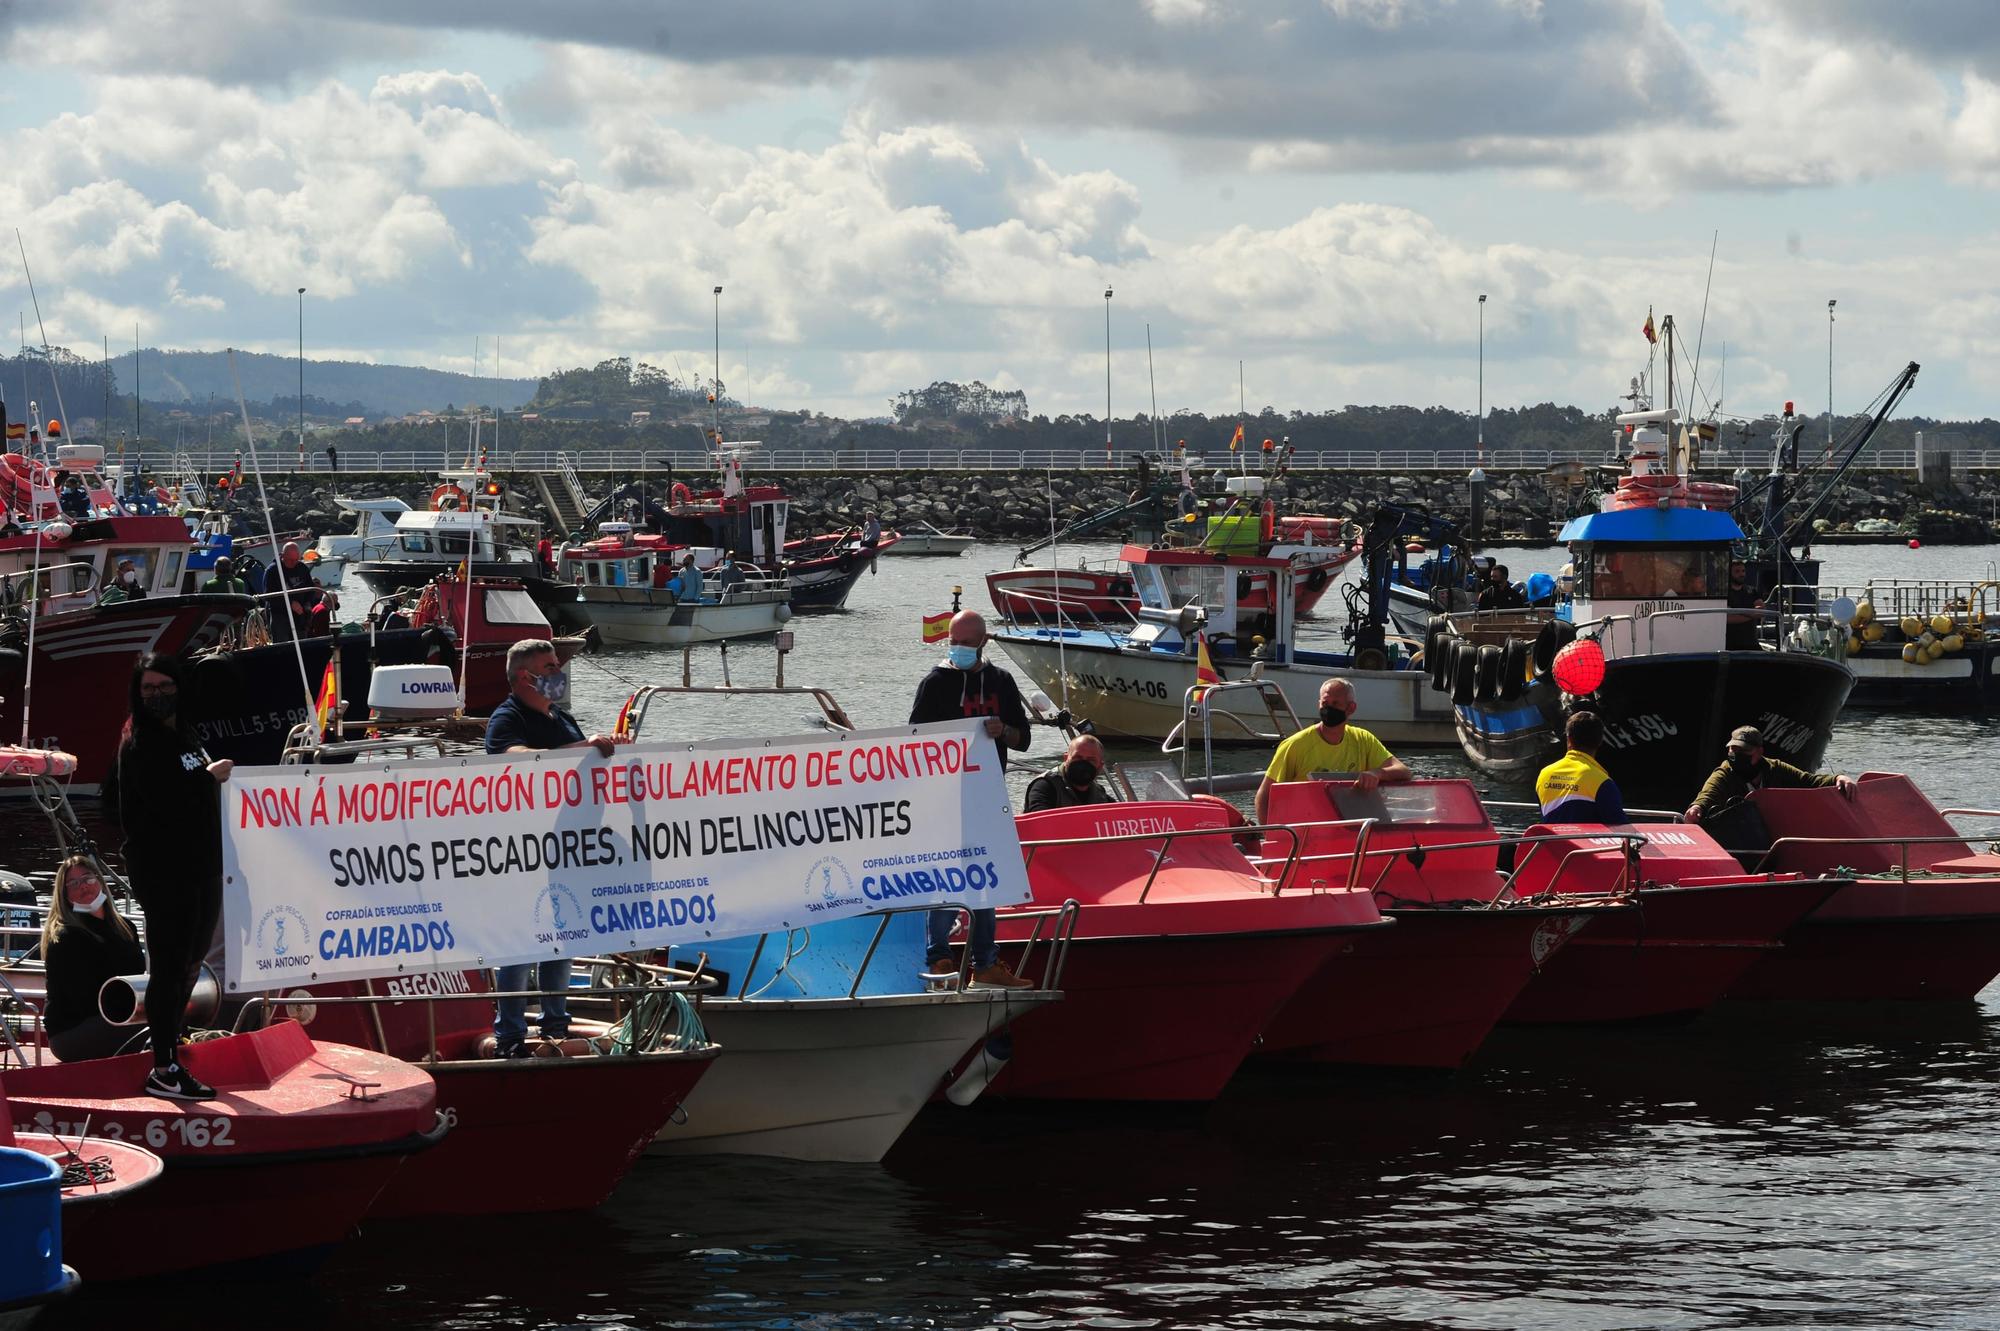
{"x":599,"y":1110}
{"x":289,"y":1156}
{"x":1701,"y":922}
{"x":1181,"y":953}
{"x":1426,"y":993}
{"x":98,"y":1173}
{"x":1915,"y":914}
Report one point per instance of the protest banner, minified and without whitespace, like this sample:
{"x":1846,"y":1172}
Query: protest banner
{"x":388,"y":868}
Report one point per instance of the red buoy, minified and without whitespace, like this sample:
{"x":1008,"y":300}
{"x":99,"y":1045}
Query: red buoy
{"x":1579,"y":667}
{"x":1916,"y":544}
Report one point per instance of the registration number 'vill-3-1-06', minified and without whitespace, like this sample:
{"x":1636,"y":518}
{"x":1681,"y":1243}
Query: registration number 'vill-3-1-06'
{"x":1137,"y":688}
{"x":198,"y":1134}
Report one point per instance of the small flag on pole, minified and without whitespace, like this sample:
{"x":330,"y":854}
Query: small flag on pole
{"x":623,"y":730}
{"x":937,"y":627}
{"x":465,"y":569}
{"x":326,"y":710}
{"x":1205,"y":673}
{"x":1647,"y":328}
{"x":1236,"y":440}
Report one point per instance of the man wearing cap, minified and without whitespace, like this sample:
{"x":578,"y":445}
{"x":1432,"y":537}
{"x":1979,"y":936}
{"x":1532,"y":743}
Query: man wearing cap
{"x":1746,"y":770}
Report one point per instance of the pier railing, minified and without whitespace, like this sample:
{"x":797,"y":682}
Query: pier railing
{"x":690,"y":464}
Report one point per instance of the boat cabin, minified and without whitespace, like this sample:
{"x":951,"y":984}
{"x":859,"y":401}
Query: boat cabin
{"x":1185,"y":592}
{"x":80,"y":561}
{"x":374,"y":531}
{"x":622,"y":556}
{"x":446,"y":536}
{"x":749,"y":523}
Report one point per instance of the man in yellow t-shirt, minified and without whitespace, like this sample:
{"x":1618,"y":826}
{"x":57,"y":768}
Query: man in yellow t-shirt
{"x":1331,"y":746}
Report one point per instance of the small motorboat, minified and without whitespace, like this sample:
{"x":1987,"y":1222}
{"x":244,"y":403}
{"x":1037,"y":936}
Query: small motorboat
{"x":822,"y":570}
{"x":930,"y":541}
{"x":95,"y":1174}
{"x":1915,"y":914}
{"x":290,"y":1155}
{"x":1182,"y":951}
{"x":374,"y":536}
{"x":622,"y":575}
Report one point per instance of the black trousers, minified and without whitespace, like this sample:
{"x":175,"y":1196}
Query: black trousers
{"x":181,"y":912}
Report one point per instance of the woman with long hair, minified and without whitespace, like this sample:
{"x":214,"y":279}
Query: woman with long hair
{"x":84,"y":943}
{"x":164,"y":792}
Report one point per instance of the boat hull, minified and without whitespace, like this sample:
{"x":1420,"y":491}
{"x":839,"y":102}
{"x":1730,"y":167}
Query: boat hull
{"x":1424,"y":994}
{"x":1667,"y":718}
{"x":931,"y":544}
{"x":1967,"y":680}
{"x":558,"y":600}
{"x":1677,"y":954}
{"x":1137,"y":694}
{"x":603,"y":1111}
{"x":831,"y":1078}
{"x":635,"y":619}
{"x":1110,"y":1041}
{"x":1928,"y":940}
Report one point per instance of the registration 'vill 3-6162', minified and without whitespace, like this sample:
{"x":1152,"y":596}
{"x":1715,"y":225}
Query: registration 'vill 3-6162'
{"x":197,"y":1134}
{"x":1132,"y":688}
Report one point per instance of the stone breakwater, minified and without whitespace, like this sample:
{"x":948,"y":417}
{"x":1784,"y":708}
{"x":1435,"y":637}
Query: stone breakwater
{"x":1014,"y":506}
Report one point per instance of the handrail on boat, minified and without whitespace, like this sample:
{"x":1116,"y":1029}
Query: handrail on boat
{"x":1169,"y":835}
{"x":1903,"y":843}
{"x":1389,"y":854}
{"x":642,"y":700}
{"x":1197,"y":702}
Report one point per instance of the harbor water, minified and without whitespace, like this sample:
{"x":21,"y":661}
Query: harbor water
{"x":1813,"y":1167}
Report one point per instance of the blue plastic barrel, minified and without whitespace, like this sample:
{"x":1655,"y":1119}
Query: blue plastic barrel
{"x":31,"y":1223}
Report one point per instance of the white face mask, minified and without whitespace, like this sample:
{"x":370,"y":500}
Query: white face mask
{"x":128,"y":577}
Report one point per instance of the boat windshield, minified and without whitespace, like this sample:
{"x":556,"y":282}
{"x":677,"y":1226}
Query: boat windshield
{"x":1624,"y":573}
{"x":506,"y":605}
{"x":1194,"y":584}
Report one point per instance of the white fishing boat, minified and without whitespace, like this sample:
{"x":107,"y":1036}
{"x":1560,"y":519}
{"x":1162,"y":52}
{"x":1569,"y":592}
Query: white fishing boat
{"x":633,"y":591}
{"x":374,"y":537}
{"x":931,"y":541}
{"x":1133,"y":682}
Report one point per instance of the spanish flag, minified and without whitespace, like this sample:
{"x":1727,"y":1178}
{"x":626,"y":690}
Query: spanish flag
{"x":1647,"y":328}
{"x":937,"y":627}
{"x":17,"y":430}
{"x":465,"y":569}
{"x":327,"y":709}
{"x":1236,"y":440}
{"x":1205,"y":673}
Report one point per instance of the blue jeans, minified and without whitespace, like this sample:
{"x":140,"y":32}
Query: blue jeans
{"x":985,"y":951}
{"x":510,"y":1018}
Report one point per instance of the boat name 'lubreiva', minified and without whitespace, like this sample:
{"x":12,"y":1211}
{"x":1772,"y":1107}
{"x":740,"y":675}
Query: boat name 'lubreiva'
{"x":1132,"y":826}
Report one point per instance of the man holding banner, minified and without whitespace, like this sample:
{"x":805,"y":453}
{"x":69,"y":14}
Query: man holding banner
{"x":963,"y":685}
{"x":527,"y":721}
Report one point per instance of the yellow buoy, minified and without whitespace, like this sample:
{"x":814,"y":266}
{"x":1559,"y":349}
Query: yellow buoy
{"x":1874,"y":633}
{"x":1934,"y":651}
{"x":1954,"y":642}
{"x":1912,"y":654}
{"x":1940,"y":624}
{"x":1911,"y":626}
{"x":1854,"y":646}
{"x":1864,"y":612}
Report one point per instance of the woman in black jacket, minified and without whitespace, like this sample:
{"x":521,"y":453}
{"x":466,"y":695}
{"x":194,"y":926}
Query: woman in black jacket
{"x":84,"y":943}
{"x":163,"y":791}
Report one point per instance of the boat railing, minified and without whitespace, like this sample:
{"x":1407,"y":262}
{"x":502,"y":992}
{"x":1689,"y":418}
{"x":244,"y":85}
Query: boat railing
{"x":1198,"y":703}
{"x":1065,"y":917}
{"x":1011,"y":598}
{"x":1165,"y":838}
{"x":1649,"y":815}
{"x":1903,"y":844}
{"x":23,"y":1015}
{"x":1631,"y":843}
{"x":1975,"y":599}
{"x":296,"y":1001}
{"x":1810,"y":633}
{"x":16,"y":588}
{"x":1358,"y":854}
{"x":832,"y":715}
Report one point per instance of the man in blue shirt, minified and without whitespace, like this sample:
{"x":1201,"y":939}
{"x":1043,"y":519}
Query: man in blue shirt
{"x":527,"y":721}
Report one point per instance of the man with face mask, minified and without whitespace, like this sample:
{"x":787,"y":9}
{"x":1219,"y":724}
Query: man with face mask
{"x":962,"y":685}
{"x":1745,"y":769}
{"x":1331,"y":746}
{"x":125,"y":585}
{"x":529,"y":720}
{"x":1073,"y":783}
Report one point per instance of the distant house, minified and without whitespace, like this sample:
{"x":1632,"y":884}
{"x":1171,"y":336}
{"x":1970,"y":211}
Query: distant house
{"x":642,"y":418}
{"x":355,"y":422}
{"x":531,"y":415}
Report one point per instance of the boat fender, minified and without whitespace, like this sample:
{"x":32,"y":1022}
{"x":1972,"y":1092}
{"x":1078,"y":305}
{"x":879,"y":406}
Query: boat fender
{"x":1486,"y":674}
{"x":1439,"y":662}
{"x":1434,"y":631}
{"x":680,"y":494}
{"x":1318,"y":578}
{"x":985,"y":1066}
{"x":1464,"y":661}
{"x":1515,"y":656}
{"x":1555,"y":635}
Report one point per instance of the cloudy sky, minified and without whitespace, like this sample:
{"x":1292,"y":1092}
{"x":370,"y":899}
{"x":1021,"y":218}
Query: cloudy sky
{"x":896,"y":191}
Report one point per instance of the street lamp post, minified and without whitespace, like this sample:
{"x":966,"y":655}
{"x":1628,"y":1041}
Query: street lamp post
{"x":715,"y":384}
{"x":1829,"y":374}
{"x":1482,"y":377}
{"x":1107,"y":377}
{"x":302,"y":376}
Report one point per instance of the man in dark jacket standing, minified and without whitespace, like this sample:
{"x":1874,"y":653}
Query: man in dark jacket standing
{"x":962,"y":685}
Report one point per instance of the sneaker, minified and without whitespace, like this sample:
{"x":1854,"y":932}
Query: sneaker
{"x":513,"y":1049}
{"x":174,"y":1082}
{"x":997,"y":976}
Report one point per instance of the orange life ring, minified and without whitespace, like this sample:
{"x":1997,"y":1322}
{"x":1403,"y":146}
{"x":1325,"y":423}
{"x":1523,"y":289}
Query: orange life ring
{"x":35,"y":762}
{"x":447,"y":497}
{"x":680,"y":494}
{"x":1653,"y":481}
{"x":1711,"y":492}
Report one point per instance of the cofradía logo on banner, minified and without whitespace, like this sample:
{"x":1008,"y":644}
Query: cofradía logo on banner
{"x":394,"y":868}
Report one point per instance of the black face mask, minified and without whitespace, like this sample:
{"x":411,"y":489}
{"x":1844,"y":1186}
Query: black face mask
{"x":1079,"y":773}
{"x":1332,"y":714}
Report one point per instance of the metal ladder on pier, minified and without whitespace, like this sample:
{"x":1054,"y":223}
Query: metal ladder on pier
{"x":563,"y":494}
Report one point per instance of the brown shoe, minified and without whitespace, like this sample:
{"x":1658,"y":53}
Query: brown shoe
{"x":997,"y":976}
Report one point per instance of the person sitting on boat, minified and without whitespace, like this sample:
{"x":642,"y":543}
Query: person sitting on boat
{"x":1498,"y":592}
{"x":727,"y":575}
{"x":1746,"y":770}
{"x":1575,"y":788}
{"x":303,"y":612}
{"x":84,"y":943}
{"x":124,"y":585}
{"x":1072,"y":783}
{"x":965,"y":684}
{"x":164,"y":791}
{"x":1331,"y":746}
{"x":225,"y":582}
{"x":74,"y":499}
{"x":1741,"y":634}
{"x":1190,"y":503}
{"x":528,"y":721}
{"x":871,"y":530}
